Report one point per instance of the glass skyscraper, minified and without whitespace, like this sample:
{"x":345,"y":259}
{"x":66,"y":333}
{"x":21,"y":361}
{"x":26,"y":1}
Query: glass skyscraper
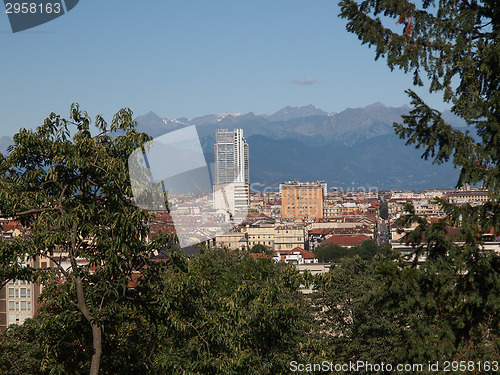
{"x":231,"y":157}
{"x":231,"y":183}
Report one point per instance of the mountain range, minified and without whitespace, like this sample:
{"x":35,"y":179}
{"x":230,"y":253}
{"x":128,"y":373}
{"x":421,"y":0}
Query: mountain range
{"x":353,"y":149}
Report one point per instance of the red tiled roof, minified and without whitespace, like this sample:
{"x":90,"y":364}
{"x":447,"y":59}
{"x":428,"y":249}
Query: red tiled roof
{"x":346,"y":240}
{"x":305,"y":254}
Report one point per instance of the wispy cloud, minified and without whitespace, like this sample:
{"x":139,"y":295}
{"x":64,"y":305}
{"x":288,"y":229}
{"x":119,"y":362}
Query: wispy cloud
{"x":305,"y":81}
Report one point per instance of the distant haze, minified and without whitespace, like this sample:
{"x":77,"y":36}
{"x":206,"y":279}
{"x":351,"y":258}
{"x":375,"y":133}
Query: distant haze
{"x":355,"y":148}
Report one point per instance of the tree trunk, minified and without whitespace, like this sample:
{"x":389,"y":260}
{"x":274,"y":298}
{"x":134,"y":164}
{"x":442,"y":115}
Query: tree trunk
{"x":96,"y":329}
{"x":97,"y":344}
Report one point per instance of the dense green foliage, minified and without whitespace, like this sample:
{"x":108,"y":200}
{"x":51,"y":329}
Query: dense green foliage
{"x":71,"y":189}
{"x":447,"y":307}
{"x":388,"y":311}
{"x":261,"y":249}
{"x":219,"y":313}
{"x":354,"y":326}
{"x":384,"y":210}
{"x":229,"y":314}
{"x":334,"y":253}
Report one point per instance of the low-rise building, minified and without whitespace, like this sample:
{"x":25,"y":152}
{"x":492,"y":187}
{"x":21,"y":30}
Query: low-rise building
{"x":290,"y":236}
{"x":232,"y":240}
{"x":275,"y":236}
{"x":472,"y":197}
{"x":261,"y":234}
{"x":294,"y":256}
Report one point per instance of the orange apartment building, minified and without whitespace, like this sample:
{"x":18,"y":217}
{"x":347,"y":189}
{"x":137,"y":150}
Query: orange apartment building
{"x":302,"y":200}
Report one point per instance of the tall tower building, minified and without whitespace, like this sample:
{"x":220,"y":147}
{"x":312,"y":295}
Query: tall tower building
{"x":231,"y":157}
{"x":231,"y":180}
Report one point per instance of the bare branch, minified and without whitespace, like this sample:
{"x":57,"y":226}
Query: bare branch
{"x":58,"y":264}
{"x":33,"y":211}
{"x":3,"y":283}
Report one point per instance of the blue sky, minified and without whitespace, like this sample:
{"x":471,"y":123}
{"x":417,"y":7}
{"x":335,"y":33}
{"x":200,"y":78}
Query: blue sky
{"x":189,"y":58}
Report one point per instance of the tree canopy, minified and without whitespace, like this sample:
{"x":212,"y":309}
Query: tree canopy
{"x":329,"y":252}
{"x":446,"y":306}
{"x":451,"y":47}
{"x":71,"y":190}
{"x":220,"y":312}
{"x":384,"y":211}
